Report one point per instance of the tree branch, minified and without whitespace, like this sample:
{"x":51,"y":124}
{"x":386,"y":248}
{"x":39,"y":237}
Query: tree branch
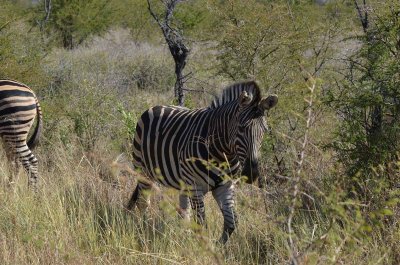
{"x":363,"y":14}
{"x":176,"y":45}
{"x":5,"y":25}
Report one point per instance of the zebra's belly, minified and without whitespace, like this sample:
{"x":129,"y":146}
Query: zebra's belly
{"x":181,"y":173}
{"x":161,"y":164}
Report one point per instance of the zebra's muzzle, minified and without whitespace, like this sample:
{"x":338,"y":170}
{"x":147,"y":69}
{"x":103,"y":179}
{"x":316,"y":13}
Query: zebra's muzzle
{"x":250,"y":170}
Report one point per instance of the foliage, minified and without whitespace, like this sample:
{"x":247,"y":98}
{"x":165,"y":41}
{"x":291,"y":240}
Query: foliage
{"x":133,"y":15}
{"x":91,"y":85}
{"x":21,"y":48}
{"x":129,"y":121}
{"x":368,"y":102}
{"x":74,"y":21}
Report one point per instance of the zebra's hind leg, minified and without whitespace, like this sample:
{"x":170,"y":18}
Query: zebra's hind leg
{"x":184,"y":203}
{"x":139,"y":197}
{"x":224,"y":195}
{"x":13,"y":165}
{"x":30,"y":164}
{"x":197,"y":202}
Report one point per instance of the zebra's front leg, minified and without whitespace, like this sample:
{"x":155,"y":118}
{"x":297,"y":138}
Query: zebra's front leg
{"x":197,"y":202}
{"x":224,"y":195}
{"x":139,"y":197}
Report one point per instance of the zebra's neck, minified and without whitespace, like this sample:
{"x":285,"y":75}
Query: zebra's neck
{"x":221,"y":132}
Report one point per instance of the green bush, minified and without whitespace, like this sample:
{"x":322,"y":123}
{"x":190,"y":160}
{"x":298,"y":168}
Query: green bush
{"x":21,"y":47}
{"x":368,"y":103}
{"x":90,"y":85}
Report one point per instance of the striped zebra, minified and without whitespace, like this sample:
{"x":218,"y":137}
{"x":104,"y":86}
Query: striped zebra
{"x":195,"y":150}
{"x":18,"y":109}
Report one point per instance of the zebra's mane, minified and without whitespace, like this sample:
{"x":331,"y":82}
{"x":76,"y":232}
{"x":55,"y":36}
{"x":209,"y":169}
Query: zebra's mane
{"x":232,"y":93}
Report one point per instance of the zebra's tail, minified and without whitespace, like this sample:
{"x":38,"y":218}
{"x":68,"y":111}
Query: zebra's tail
{"x":123,"y":164}
{"x":34,"y":140}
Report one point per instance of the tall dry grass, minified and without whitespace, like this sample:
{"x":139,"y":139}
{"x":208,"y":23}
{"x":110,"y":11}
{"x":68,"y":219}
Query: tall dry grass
{"x":78,"y":216}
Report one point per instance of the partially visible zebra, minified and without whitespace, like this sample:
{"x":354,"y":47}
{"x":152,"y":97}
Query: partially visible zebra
{"x":18,"y":109}
{"x":187,"y":149}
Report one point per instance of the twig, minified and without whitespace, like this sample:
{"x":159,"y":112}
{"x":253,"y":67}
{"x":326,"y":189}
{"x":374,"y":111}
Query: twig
{"x":297,"y":177}
{"x":5,"y":25}
{"x":199,"y":91}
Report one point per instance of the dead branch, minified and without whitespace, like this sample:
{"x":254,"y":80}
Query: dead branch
{"x":176,"y":45}
{"x":363,"y":14}
{"x":5,"y":25}
{"x":298,"y":173}
{"x":47,"y":11}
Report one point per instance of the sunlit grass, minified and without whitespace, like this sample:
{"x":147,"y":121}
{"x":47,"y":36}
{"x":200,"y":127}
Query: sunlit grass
{"x":77,"y":217}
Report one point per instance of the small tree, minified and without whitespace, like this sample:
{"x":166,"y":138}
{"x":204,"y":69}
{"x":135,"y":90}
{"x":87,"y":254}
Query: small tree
{"x":73,"y":21}
{"x":175,"y":41}
{"x":21,"y":48}
{"x":369,"y":102}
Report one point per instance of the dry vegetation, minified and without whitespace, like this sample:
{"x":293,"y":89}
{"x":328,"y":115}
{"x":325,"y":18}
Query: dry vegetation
{"x":312,"y":209}
{"x":78,"y":217}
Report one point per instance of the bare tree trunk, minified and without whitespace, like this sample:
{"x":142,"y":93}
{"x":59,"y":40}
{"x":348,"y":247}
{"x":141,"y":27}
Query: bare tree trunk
{"x":374,"y":127}
{"x":176,"y":45}
{"x":47,"y":10}
{"x":363,"y":14}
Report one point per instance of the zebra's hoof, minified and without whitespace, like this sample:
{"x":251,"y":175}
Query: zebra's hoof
{"x":184,"y":214}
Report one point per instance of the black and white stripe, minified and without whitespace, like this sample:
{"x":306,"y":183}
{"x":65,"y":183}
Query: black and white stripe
{"x":195,"y":150}
{"x":18,"y":109}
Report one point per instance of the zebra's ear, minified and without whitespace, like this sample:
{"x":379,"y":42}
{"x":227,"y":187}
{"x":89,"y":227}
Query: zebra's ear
{"x":245,"y":98}
{"x":268,"y":102}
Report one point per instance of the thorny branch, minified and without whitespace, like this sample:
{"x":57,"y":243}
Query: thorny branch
{"x":5,"y":25}
{"x":297,"y":176}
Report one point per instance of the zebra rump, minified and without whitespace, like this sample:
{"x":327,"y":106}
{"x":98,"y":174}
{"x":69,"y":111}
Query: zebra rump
{"x":18,"y":109}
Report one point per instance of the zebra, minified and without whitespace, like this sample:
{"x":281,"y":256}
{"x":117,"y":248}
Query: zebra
{"x":18,"y":109}
{"x":188,"y":149}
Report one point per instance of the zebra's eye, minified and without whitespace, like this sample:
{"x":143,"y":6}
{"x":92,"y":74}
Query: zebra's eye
{"x":242,"y":128}
{"x":243,"y":125}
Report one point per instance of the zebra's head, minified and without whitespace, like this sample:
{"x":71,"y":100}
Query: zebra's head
{"x":245,"y":109}
{"x":251,"y":127}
